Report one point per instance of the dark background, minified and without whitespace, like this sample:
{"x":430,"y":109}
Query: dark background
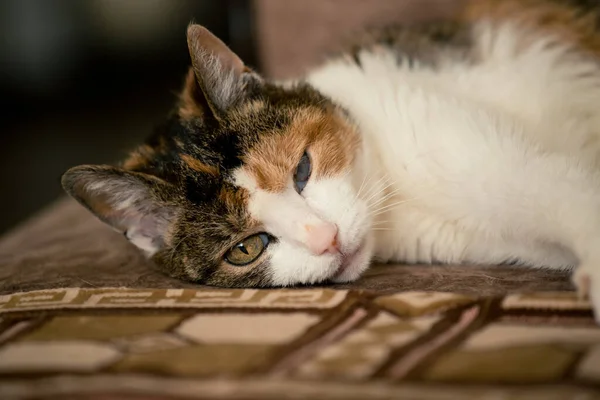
{"x":85,"y":81}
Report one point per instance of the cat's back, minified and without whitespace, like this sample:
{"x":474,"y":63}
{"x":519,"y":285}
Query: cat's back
{"x":480,"y":28}
{"x":532,"y":61}
{"x":452,"y":111}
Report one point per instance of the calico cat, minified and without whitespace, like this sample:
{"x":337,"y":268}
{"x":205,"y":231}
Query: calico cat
{"x":475,"y":140}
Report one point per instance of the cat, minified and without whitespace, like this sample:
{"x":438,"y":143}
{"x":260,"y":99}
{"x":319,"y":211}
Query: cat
{"x":471,"y":140}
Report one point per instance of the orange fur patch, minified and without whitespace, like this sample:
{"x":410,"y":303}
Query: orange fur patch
{"x":189,"y":105}
{"x":330,"y":140}
{"x":139,"y":158}
{"x":572,"y":24}
{"x":198,"y":165}
{"x":250,"y":107}
{"x":163,"y":146}
{"x":234,"y":199}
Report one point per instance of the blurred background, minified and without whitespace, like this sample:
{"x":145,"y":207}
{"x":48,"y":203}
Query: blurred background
{"x":85,"y":81}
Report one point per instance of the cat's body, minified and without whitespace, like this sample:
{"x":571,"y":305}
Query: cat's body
{"x":475,"y":141}
{"x":471,"y":155}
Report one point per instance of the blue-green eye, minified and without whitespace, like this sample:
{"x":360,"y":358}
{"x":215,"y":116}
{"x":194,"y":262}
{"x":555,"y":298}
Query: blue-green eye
{"x":302,"y":174}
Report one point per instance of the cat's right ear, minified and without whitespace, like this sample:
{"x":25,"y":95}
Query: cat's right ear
{"x":222,"y":78}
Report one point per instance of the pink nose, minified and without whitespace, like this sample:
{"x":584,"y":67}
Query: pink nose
{"x":322,"y":238}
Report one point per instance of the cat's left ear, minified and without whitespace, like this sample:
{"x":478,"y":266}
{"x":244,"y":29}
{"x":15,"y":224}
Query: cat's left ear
{"x":133,"y":203}
{"x":220,"y":73}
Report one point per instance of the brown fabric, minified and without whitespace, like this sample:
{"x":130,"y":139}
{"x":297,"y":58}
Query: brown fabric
{"x":294,"y":35}
{"x":65,"y":246}
{"x":108,"y":343}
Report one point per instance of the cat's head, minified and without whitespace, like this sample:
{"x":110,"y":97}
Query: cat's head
{"x":247,"y":184}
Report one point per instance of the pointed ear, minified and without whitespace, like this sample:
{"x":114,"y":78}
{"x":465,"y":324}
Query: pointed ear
{"x":192,"y":103}
{"x":221,"y":75}
{"x":133,"y":203}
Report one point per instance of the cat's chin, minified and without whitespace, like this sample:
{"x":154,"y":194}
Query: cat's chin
{"x":354,"y":264}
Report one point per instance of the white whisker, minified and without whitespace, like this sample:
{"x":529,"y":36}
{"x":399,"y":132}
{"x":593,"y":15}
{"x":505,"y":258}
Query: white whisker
{"x":386,"y":197}
{"x":369,"y":192}
{"x":378,"y":192}
{"x":380,"y":222}
{"x":390,"y":206}
{"x":362,"y":185}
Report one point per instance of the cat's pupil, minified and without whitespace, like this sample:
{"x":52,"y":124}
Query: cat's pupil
{"x":242,"y":248}
{"x":248,"y":250}
{"x":303,"y":169}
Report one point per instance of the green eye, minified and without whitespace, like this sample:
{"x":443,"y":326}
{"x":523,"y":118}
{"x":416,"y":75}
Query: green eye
{"x":248,"y":250}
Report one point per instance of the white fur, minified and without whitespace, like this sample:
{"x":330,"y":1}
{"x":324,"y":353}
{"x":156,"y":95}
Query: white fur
{"x":140,"y":239}
{"x":482,"y":163}
{"x":285,"y":214}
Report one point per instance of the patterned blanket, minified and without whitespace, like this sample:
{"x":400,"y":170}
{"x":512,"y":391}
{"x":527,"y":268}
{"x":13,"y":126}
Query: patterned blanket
{"x":77,"y":321}
{"x":117,"y":343}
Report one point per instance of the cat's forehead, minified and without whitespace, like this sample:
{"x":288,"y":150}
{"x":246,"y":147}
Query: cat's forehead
{"x":264,"y":146}
{"x":265,"y":136}
{"x":325,"y":134}
{"x":253,"y":121}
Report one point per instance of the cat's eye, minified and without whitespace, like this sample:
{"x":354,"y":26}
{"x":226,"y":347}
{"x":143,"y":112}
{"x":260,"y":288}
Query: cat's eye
{"x":248,"y":250}
{"x":302,"y":173}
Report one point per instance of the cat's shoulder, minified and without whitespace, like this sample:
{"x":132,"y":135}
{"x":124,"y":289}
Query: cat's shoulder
{"x":426,"y":43}
{"x":573,"y":22}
